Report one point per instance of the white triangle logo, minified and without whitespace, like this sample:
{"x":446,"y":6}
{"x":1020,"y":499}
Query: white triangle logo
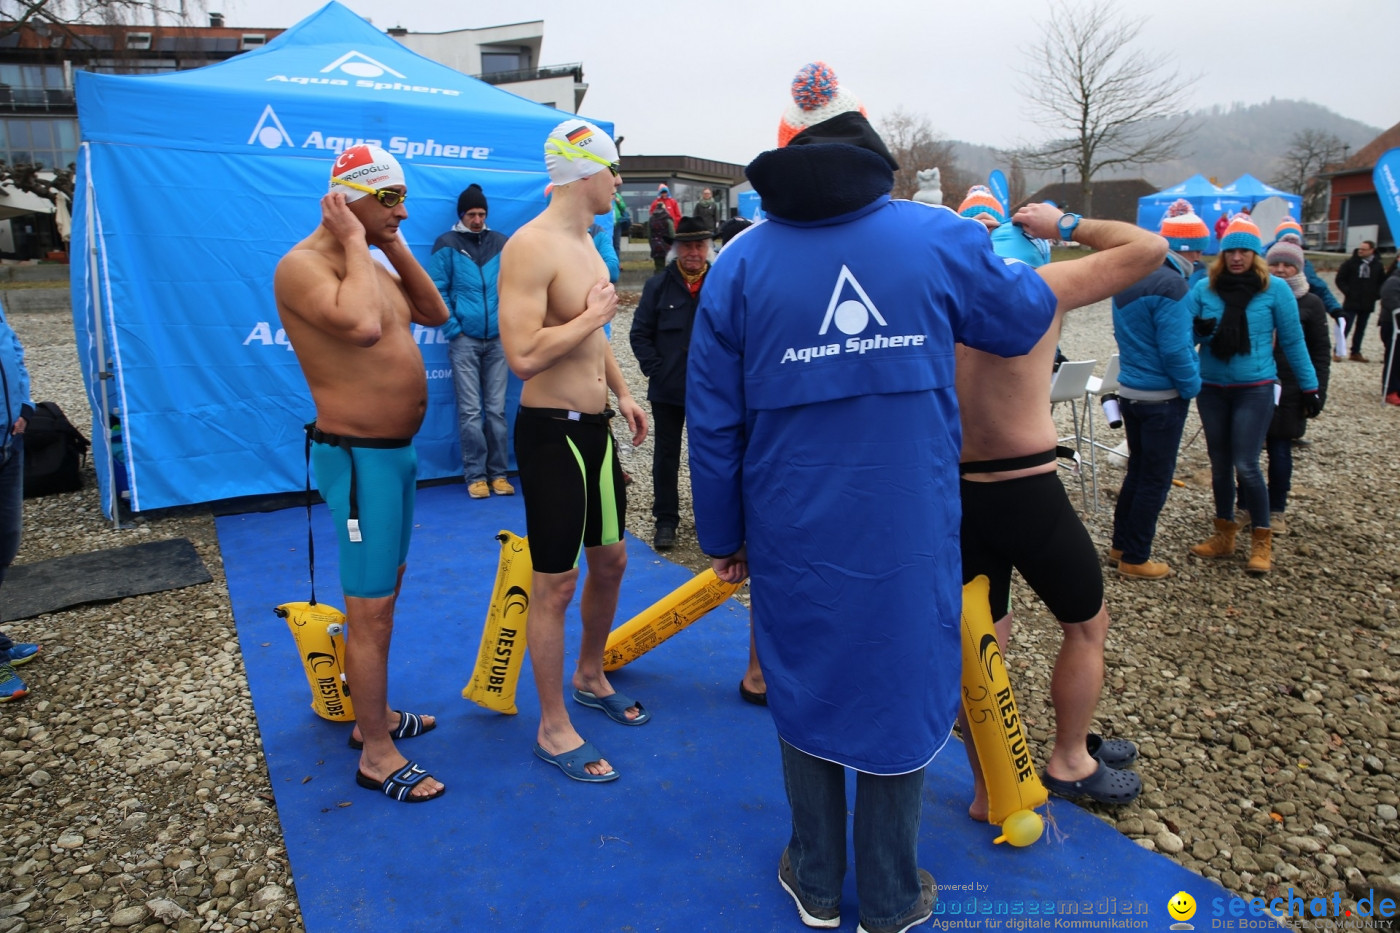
{"x":360,"y":65}
{"x":851,"y":317}
{"x":270,"y":131}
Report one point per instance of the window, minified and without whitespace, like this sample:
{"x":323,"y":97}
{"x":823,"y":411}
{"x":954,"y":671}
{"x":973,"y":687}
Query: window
{"x":497,"y":60}
{"x":138,"y":40}
{"x":252,"y":41}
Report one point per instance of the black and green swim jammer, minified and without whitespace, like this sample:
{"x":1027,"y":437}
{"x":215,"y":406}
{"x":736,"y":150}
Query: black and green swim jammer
{"x":572,"y":483}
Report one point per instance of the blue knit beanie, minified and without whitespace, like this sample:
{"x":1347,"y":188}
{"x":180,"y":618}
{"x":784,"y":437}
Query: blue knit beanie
{"x":1242,"y":233}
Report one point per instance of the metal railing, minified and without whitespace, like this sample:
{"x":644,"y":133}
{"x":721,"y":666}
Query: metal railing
{"x":573,"y":70}
{"x":35,"y":100}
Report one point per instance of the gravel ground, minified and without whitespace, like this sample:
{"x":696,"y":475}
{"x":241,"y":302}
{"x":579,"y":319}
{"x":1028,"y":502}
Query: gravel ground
{"x":136,"y":794}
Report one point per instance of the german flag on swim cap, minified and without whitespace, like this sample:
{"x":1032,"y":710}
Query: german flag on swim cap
{"x":576,"y":149}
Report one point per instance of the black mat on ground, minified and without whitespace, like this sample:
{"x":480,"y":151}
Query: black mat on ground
{"x":116,"y":573}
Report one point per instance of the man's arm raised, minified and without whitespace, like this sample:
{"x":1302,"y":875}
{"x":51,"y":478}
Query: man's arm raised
{"x":1123,"y":254}
{"x":532,"y":346}
{"x":349,"y":308}
{"x":425,"y":304}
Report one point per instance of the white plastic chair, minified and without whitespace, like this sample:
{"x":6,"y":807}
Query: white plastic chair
{"x":1096,"y":389}
{"x":1069,"y":384}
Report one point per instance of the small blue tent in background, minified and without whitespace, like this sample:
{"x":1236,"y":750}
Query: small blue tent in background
{"x":190,"y":188}
{"x":1208,"y":201}
{"x":1249,"y":191}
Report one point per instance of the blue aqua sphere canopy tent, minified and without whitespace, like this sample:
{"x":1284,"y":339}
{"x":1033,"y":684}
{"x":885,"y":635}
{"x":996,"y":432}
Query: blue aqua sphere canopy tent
{"x":1249,"y":191}
{"x":190,"y":188}
{"x":1208,"y":200}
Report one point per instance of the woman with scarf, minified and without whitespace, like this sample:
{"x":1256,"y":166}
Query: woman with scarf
{"x":1238,"y":312}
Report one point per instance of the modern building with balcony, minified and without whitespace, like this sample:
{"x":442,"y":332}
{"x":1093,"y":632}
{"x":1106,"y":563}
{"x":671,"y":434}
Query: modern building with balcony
{"x":507,"y":56}
{"x":39,"y":116}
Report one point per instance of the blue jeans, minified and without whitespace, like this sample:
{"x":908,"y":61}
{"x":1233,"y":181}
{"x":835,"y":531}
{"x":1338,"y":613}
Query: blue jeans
{"x":11,"y":509}
{"x":1236,"y":421}
{"x":479,"y":376}
{"x":887,"y":814}
{"x":1154,"y":435}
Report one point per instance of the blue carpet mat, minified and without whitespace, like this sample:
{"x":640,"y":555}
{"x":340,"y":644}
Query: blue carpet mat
{"x":688,"y":839}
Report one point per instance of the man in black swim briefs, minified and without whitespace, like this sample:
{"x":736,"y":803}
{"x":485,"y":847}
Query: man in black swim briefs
{"x":1016,"y":513}
{"x":555,"y":299}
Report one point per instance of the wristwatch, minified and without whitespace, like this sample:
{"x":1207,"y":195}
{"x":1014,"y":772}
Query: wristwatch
{"x":1066,"y":226}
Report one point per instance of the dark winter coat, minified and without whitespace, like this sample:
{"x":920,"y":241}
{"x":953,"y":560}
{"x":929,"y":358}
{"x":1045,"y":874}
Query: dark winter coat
{"x":1289,"y":421}
{"x":1360,"y":281}
{"x":660,"y":334}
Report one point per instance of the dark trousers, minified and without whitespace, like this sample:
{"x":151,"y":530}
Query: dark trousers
{"x":1356,"y":319}
{"x":1154,"y":436}
{"x":667,"y":422}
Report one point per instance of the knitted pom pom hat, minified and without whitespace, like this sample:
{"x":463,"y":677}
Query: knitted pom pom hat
{"x":1288,"y":225}
{"x":1284,"y":251}
{"x":980,"y":200}
{"x":1242,"y":233}
{"x":1184,"y":230}
{"x":816,"y":97}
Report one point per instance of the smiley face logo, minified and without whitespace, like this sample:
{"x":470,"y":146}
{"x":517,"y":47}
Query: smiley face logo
{"x":1182,"y":907}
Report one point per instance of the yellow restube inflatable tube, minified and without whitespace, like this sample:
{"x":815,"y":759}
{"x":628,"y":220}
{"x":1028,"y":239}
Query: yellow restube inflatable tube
{"x":319,"y":631}
{"x":502,"y":651}
{"x":664,"y":618}
{"x":1014,"y":789}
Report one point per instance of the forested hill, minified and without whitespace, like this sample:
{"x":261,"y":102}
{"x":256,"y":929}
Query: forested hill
{"x":1223,"y":142}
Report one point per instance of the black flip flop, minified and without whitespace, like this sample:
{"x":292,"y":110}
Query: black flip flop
{"x":749,"y":696}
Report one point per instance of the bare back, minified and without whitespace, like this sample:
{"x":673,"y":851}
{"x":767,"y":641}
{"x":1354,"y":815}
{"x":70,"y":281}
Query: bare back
{"x":547,"y":272}
{"x":374,"y":390}
{"x":1005,"y":405}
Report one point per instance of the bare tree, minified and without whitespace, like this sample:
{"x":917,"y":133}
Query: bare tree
{"x":17,"y":14}
{"x":1109,"y":105}
{"x":1310,"y":152}
{"x":914,"y":144}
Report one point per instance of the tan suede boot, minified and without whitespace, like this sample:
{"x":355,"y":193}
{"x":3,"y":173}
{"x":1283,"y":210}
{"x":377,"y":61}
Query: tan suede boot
{"x":1220,"y":544}
{"x":1261,"y":552}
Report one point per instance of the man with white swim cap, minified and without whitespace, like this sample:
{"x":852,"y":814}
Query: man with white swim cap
{"x":349,"y":320}
{"x":554,"y":300}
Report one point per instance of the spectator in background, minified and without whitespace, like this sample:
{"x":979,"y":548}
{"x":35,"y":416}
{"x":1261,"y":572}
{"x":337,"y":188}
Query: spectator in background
{"x":1285,"y":261}
{"x":732,"y":228}
{"x":660,"y":229}
{"x":1289,"y":230}
{"x":1221,"y":223}
{"x":1158,"y":376}
{"x":663,"y":197}
{"x":603,"y":237}
{"x":622,"y":221}
{"x":660,"y":340}
{"x":707,"y":210}
{"x":1390,"y":308}
{"x":14,"y":377}
{"x":1359,"y":278}
{"x":464,"y":266}
{"x":1237,"y":314}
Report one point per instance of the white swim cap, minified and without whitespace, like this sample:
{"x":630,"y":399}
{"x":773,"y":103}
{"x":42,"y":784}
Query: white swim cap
{"x":577,"y":149}
{"x":368,"y":166}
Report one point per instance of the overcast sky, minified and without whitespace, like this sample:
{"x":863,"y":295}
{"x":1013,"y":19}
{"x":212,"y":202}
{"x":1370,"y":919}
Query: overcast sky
{"x":710,"y":79}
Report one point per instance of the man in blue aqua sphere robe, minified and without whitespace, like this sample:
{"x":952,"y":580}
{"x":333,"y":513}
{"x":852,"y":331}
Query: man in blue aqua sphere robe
{"x":824,"y":443}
